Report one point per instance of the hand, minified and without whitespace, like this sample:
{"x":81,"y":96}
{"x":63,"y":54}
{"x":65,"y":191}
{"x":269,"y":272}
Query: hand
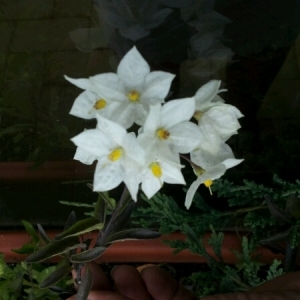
{"x":154,"y":283}
{"x":151,"y":283}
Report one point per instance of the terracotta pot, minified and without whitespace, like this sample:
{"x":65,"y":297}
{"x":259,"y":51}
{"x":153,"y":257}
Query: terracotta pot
{"x":52,"y":170}
{"x":151,"y":251}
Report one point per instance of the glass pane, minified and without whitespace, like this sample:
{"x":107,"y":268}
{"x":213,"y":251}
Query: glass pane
{"x":252,"y":46}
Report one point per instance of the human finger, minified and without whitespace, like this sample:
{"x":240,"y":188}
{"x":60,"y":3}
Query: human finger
{"x":100,"y":280}
{"x":162,"y":286}
{"x":129,"y":283}
{"x":103,"y":295}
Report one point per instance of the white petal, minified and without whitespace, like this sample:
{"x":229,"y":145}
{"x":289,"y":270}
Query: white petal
{"x":122,"y":113}
{"x":153,"y":120}
{"x":141,"y":113}
{"x":210,"y":139}
{"x":93,"y":141}
{"x":133,"y":69}
{"x":185,"y":137}
{"x":133,"y":149}
{"x":82,"y":83}
{"x":214,"y":173}
{"x":151,"y":185}
{"x":111,"y":129}
{"x":231,"y":162}
{"x":206,"y":93}
{"x":83,"y":106}
{"x":84,"y":157}
{"x":157,"y":87}
{"x":107,"y":176}
{"x":171,"y":173}
{"x":223,"y":119}
{"x":191,"y":192}
{"x":132,"y":177}
{"x":177,"y":111}
{"x":109,"y":86}
{"x":207,"y":159}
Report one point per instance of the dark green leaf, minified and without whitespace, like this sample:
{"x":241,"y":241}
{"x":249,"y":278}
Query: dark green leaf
{"x":116,"y":222}
{"x":85,"y":285}
{"x":290,"y":257}
{"x":111,"y":202}
{"x":293,"y":206}
{"x":31,"y":231}
{"x":71,"y":220}
{"x":25,"y":249}
{"x":100,"y":210}
{"x":136,"y":233}
{"x":62,"y":271}
{"x":52,"y":249}
{"x":88,"y":255}
{"x":279,"y":215}
{"x":43,"y":234}
{"x":81,"y":227}
{"x":279,"y":237}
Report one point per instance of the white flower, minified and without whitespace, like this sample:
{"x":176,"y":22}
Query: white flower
{"x":124,"y":97}
{"x":162,"y":165}
{"x":168,"y":125}
{"x":217,"y":121}
{"x":118,"y":154}
{"x":211,"y":167}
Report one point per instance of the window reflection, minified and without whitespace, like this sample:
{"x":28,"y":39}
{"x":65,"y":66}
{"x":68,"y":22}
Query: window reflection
{"x":252,"y":46}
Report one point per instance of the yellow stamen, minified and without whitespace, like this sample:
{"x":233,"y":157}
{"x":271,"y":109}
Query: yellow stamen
{"x":99,"y":104}
{"x":163,"y":134}
{"x":198,"y":115}
{"x":208,"y":184}
{"x":115,"y":154}
{"x":156,"y":169}
{"x":133,"y":96}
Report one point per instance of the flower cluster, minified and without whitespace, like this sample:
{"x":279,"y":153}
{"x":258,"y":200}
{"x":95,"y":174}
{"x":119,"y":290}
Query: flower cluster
{"x":152,"y":157}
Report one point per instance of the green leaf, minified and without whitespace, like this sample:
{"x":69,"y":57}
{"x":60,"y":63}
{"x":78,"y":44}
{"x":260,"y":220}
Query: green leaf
{"x":129,"y":234}
{"x":81,"y":227}
{"x":279,"y":215}
{"x":85,"y":285}
{"x":52,"y":249}
{"x":71,"y":220}
{"x":78,"y":204}
{"x":111,"y":202}
{"x":31,"y":231}
{"x":100,"y":210}
{"x":62,"y":271}
{"x":293,"y":206}
{"x":25,"y":249}
{"x":43,"y":234}
{"x":88,"y":255}
{"x":279,"y":237}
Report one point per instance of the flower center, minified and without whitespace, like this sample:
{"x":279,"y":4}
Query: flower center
{"x":208,"y":184}
{"x":99,"y":104}
{"x":156,"y":169}
{"x":115,"y":154}
{"x":163,"y":134}
{"x":198,"y":115}
{"x":133,"y":96}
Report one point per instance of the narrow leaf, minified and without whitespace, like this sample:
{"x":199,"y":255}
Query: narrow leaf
{"x":136,"y":233}
{"x":62,"y":271}
{"x":31,"y":231}
{"x":43,"y":234}
{"x":279,"y":215}
{"x":88,"y":255}
{"x":116,"y":222}
{"x":279,"y":237}
{"x":25,"y":249}
{"x":100,"y":210}
{"x":81,"y":227}
{"x":293,"y":206}
{"x":77,"y":204}
{"x":71,"y":220}
{"x":86,"y":285}
{"x":52,"y":249}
